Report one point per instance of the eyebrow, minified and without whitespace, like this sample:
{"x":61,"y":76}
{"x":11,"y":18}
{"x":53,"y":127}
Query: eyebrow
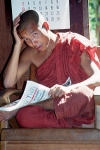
{"x":32,"y":32}
{"x":29,"y":34}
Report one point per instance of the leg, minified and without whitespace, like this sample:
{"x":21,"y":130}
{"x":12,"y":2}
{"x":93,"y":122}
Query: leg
{"x":77,"y":109}
{"x":79,"y":105}
{"x":37,"y":117}
{"x":47,"y":104}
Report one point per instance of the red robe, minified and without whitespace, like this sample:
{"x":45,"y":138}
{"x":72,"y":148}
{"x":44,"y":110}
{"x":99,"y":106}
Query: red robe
{"x":65,"y":60}
{"x":71,"y":110}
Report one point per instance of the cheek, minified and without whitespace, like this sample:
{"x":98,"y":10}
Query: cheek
{"x":29,"y":44}
{"x":45,"y":39}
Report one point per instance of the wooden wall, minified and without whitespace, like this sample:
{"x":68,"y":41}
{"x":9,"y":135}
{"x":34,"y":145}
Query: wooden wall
{"x":78,"y":19}
{"x":5,"y":32}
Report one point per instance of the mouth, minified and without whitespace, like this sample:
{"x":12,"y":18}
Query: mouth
{"x":39,"y":47}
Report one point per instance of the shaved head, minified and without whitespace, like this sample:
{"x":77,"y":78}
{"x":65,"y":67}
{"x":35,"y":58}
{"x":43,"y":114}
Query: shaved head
{"x":30,"y":16}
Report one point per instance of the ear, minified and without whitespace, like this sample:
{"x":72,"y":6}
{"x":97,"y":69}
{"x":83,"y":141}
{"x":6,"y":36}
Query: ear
{"x":46,"y":26}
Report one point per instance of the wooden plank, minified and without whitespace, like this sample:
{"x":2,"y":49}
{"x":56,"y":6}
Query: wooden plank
{"x":50,"y":134}
{"x":30,"y":146}
{"x":32,"y":73}
{"x":3,"y":145}
{"x":85,"y":18}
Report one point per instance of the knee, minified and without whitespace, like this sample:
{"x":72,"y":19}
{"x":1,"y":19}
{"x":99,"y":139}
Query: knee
{"x":79,"y":101}
{"x":83,"y":93}
{"x":20,"y":117}
{"x":30,"y":116}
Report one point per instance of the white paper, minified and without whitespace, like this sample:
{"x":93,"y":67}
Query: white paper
{"x":33,"y":93}
{"x":56,"y":12}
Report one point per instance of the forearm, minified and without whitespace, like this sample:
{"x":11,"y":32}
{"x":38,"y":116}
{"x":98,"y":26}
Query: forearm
{"x":10,"y":73}
{"x":91,"y":82}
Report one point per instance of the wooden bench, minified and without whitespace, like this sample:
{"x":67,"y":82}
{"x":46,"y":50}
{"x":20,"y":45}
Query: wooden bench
{"x":49,"y":139}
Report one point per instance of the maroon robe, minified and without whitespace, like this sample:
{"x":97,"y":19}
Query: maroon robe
{"x":71,"y":110}
{"x":65,"y":60}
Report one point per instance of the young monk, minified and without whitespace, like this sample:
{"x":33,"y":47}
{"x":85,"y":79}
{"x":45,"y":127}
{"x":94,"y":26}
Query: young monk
{"x":57,"y":57}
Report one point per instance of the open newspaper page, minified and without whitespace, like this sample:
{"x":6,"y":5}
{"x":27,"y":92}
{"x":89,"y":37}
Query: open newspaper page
{"x":33,"y":93}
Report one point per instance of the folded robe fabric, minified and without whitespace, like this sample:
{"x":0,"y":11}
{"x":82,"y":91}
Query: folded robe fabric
{"x":64,"y":62}
{"x":78,"y":111}
{"x":72,"y":109}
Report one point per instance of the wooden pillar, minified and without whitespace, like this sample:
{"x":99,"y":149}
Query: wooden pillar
{"x":5,"y":32}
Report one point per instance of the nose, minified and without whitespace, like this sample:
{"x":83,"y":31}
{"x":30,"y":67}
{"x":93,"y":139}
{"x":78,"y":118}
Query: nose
{"x":34,"y":41}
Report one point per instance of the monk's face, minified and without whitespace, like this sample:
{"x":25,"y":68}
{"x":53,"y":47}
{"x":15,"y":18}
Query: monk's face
{"x":35,"y":37}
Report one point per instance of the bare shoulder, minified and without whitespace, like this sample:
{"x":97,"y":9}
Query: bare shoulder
{"x":27,"y":54}
{"x":85,"y":59}
{"x":87,"y":64}
{"x":85,"y":56}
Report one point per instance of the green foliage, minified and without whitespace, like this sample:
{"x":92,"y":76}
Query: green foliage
{"x":94,"y":14}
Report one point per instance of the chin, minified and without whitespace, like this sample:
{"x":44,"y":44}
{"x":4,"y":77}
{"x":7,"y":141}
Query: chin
{"x":42,"y":50}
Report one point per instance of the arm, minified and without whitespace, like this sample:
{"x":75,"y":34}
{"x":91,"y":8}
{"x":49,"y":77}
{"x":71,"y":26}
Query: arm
{"x":91,"y":70}
{"x":93,"y":81}
{"x":17,"y":64}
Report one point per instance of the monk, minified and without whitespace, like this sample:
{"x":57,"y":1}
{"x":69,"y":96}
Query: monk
{"x":56,"y":57}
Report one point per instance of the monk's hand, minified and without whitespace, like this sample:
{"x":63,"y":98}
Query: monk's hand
{"x":58,"y":91}
{"x":18,"y":39}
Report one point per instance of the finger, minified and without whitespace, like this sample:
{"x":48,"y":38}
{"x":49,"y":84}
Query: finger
{"x":53,"y":88}
{"x":15,"y":28}
{"x":16,"y":21}
{"x":18,"y":17}
{"x":57,"y":91}
{"x":60,"y":94}
{"x":53,"y":92}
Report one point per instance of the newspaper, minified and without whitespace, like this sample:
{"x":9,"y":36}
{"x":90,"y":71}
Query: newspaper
{"x":33,"y":93}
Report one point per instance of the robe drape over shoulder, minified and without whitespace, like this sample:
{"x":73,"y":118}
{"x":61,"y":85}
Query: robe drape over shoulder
{"x":64,"y":62}
{"x":71,"y":110}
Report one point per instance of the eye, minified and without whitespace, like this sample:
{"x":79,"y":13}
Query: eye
{"x":35,"y":34}
{"x":26,"y":39}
